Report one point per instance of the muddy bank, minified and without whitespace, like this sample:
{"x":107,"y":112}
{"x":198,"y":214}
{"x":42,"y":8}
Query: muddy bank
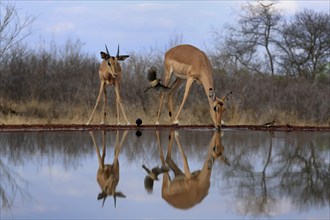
{"x":83,"y":127}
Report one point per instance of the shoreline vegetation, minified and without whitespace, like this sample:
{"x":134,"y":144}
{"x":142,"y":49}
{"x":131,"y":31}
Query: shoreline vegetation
{"x":278,"y":72}
{"x":138,"y":129}
{"x":39,"y":87}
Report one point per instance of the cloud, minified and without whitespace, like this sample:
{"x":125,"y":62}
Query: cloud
{"x":152,"y":6}
{"x":71,"y":10}
{"x":289,"y":7}
{"x":61,"y":27}
{"x":63,"y":20}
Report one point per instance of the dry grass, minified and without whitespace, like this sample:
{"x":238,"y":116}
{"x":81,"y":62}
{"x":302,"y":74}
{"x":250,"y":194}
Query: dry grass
{"x":34,"y":112}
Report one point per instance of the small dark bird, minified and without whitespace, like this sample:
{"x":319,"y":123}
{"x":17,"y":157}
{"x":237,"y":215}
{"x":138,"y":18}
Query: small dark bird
{"x":269,"y":124}
{"x":154,"y":82}
{"x":138,"y":122}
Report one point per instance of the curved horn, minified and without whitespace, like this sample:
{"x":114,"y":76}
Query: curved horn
{"x":107,"y":50}
{"x":117,"y":51}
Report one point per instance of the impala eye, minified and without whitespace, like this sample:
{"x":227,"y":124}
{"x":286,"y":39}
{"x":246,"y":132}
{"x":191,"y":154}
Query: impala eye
{"x":109,"y":63}
{"x":215,"y":108}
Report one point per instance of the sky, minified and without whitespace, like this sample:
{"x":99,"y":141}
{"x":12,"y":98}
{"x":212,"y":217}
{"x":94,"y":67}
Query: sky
{"x":137,"y":25}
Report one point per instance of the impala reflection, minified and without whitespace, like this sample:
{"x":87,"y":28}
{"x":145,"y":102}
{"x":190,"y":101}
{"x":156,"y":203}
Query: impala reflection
{"x":188,"y":188}
{"x":108,"y":174}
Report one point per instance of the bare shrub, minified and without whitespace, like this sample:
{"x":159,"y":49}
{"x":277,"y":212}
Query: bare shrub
{"x":60,"y":85}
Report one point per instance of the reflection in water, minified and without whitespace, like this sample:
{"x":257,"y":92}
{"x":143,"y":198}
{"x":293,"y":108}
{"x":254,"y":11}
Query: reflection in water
{"x":152,"y":175}
{"x":257,"y":200}
{"x":108,"y":174}
{"x":275,"y":174}
{"x":188,"y":188}
{"x":11,"y":185}
{"x":298,"y":172}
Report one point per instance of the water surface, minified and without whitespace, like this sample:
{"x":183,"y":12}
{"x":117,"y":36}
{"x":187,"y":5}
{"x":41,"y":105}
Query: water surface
{"x":271,"y":174}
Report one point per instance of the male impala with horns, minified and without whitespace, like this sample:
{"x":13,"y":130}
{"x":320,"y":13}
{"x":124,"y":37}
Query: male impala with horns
{"x":110,"y":74}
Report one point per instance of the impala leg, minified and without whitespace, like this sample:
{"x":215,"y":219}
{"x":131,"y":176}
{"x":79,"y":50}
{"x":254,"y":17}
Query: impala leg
{"x":161,"y":99}
{"x":101,"y":162}
{"x":169,"y":146}
{"x":104,"y":105}
{"x":171,"y":164}
{"x":185,"y":162}
{"x":103,"y":146}
{"x":97,"y":102}
{"x":174,"y":86}
{"x":185,"y":96}
{"x":119,"y":102}
{"x":161,"y":155}
{"x":117,"y":111}
{"x":118,"y":146}
{"x":168,"y":75}
{"x":170,"y":105}
{"x":125,"y":117}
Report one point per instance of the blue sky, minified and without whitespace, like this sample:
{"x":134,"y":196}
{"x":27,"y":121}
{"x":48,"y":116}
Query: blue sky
{"x":137,"y":25}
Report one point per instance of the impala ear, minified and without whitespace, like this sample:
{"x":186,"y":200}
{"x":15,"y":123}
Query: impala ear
{"x":212,"y":94}
{"x":225,"y":160}
{"x":101,"y":195}
{"x":104,"y":56}
{"x":120,"y":194}
{"x":226,"y":97}
{"x":122,"y":57}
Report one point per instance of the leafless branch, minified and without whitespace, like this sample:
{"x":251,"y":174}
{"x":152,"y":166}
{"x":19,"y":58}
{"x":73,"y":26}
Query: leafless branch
{"x":13,"y":29}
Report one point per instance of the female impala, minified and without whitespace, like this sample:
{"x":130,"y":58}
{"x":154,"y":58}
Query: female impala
{"x":191,"y":64}
{"x":188,"y":188}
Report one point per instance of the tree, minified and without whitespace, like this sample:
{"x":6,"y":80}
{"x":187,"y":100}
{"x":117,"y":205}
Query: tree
{"x":254,"y":34}
{"x":304,"y":46}
{"x":13,"y":29}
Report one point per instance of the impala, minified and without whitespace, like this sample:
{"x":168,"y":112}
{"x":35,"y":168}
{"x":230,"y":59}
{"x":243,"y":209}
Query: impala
{"x":110,"y":74}
{"x":108,"y":174}
{"x":188,"y":188}
{"x":191,"y":64}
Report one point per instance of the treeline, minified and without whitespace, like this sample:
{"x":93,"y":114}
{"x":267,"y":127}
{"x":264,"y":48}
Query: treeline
{"x":67,"y":80}
{"x":264,"y":41}
{"x":60,"y":84}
